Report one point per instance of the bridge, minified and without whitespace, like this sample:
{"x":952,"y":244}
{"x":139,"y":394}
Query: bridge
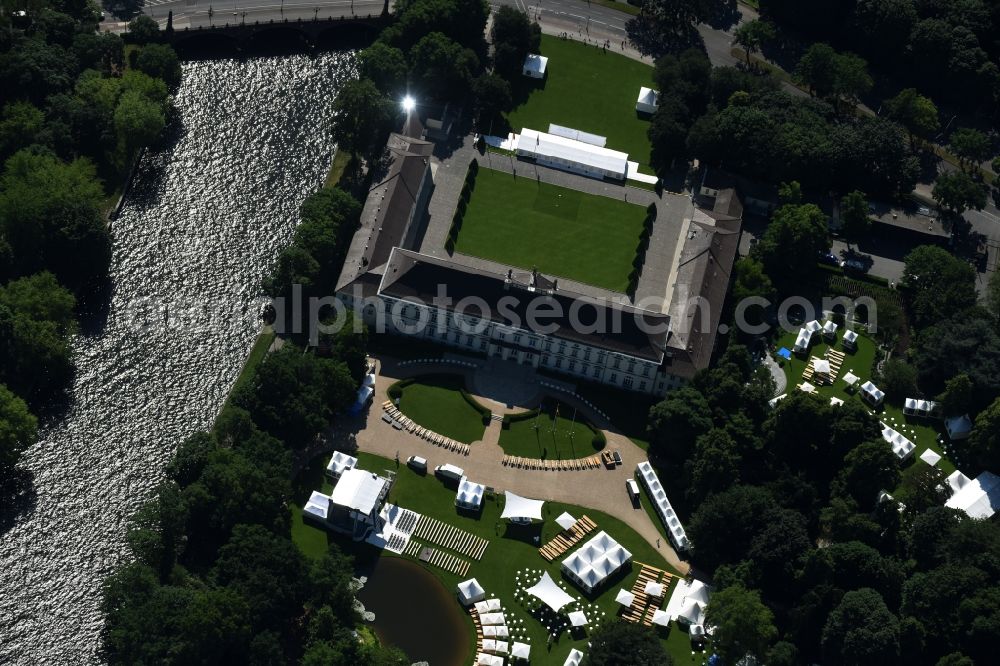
{"x":242,"y":20}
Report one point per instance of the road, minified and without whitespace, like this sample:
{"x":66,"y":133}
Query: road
{"x":195,"y":13}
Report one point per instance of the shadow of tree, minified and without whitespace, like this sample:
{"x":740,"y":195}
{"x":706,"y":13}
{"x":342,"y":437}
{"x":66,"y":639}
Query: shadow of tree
{"x":18,"y":498}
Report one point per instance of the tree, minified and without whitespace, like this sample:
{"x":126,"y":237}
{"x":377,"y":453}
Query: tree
{"x":852,"y":79}
{"x":915,"y":112}
{"x":492,"y":96}
{"x":385,"y":66}
{"x":626,"y":644}
{"x":752,"y":35}
{"x":957,"y":192}
{"x":666,"y":22}
{"x":144,"y":29}
{"x":442,"y":66}
{"x":18,"y":431}
{"x":993,"y":294}
{"x":861,"y":630}
{"x":20,"y":124}
{"x":817,"y":69}
{"x":966,"y":344}
{"x":790,"y":192}
{"x":751,"y":280}
{"x":792,"y":242}
{"x":724,"y":526}
{"x":940,"y":285}
{"x":868,"y":469}
{"x":743,"y":624}
{"x":361,"y":114}
{"x":40,"y":297}
{"x":675,"y":423}
{"x":971,"y":145}
{"x":984,"y":443}
{"x":899,"y":380}
{"x":160,"y":61}
{"x":514,"y":36}
{"x":715,"y":465}
{"x":855,"y":222}
{"x":957,"y":396}
{"x":138,"y":122}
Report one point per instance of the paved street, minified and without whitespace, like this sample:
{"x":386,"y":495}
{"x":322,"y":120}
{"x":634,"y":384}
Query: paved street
{"x":601,"y":489}
{"x":194,"y":13}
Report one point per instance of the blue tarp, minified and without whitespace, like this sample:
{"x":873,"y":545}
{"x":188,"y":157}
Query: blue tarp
{"x":785,"y":353}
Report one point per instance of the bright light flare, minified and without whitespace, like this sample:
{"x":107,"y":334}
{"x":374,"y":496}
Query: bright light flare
{"x":409,"y":104}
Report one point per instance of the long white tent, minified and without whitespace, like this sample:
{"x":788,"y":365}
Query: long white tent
{"x":516,"y":506}
{"x":571,"y":155}
{"x":550,"y":594}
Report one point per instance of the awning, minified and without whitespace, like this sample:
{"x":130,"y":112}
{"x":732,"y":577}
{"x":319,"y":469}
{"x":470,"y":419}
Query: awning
{"x":625,"y":598}
{"x":577,"y":618}
{"x":565,"y":520}
{"x":516,"y":506}
{"x":550,"y":594}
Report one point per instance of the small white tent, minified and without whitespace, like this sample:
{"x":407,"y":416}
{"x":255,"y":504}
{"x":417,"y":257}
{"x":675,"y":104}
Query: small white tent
{"x":535,"y":66}
{"x":565,"y":520}
{"x":578,"y":618}
{"x":661,"y":618}
{"x":625,"y":598}
{"x":470,"y":591}
{"x":648,"y":100}
{"x":520,"y":651}
{"x":958,"y":427}
{"x":574,"y":658}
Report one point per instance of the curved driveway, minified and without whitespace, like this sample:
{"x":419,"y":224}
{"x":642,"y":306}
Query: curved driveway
{"x":600,"y":489}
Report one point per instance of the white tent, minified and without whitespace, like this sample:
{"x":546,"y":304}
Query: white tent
{"x":648,"y":100}
{"x":520,"y":651}
{"x":958,"y":427}
{"x":490,"y":660}
{"x":957,"y":481}
{"x":625,"y":598}
{"x":821,"y":365}
{"x":802,"y":340}
{"x":653,"y":589}
{"x":470,"y":591}
{"x":535,"y":65}
{"x":830,"y":329}
{"x":469,"y":494}
{"x":698,"y":591}
{"x":516,"y":506}
{"x":489,"y":606}
{"x":595,"y":561}
{"x":979,"y":498}
{"x":577,"y":618}
{"x":339,"y":463}
{"x":850,"y":339}
{"x":571,"y":155}
{"x":773,"y":402}
{"x":574,"y":658}
{"x":930,"y":457}
{"x":492,"y":618}
{"x":872,"y":394}
{"x":359,"y":490}
{"x":851,"y":379}
{"x":813,"y":326}
{"x":550,"y":594}
{"x":692,"y":613}
{"x":807,"y":387}
{"x":836,"y":402}
{"x":565,"y":520}
{"x":496,"y":631}
{"x":661,"y":618}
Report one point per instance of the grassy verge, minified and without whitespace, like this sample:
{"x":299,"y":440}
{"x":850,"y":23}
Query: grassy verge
{"x":511,"y":549}
{"x":562,"y":232}
{"x":604,"y":87}
{"x":536,"y":434}
{"x":254,"y":358}
{"x":440,"y":403}
{"x":340,"y":161}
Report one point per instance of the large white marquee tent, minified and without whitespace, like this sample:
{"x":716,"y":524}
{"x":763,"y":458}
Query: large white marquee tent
{"x":519,"y":507}
{"x":595,"y":561}
{"x":550,"y":594}
{"x":979,"y":498}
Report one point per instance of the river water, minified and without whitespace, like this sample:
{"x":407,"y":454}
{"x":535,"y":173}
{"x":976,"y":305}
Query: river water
{"x":201,"y":227}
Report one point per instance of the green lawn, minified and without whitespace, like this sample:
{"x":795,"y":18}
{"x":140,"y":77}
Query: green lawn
{"x":922,"y":432}
{"x":511,"y":548}
{"x":541,"y":437}
{"x":562,"y":232}
{"x":254,"y":358}
{"x":586,"y":89}
{"x":437,"y":403}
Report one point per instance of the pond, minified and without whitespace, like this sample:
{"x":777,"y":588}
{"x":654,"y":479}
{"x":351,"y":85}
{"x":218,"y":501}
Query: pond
{"x":414,"y":612}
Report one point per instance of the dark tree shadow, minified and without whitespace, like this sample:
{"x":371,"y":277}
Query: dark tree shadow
{"x":725,"y":15}
{"x":18,"y":497}
{"x":651,"y":40}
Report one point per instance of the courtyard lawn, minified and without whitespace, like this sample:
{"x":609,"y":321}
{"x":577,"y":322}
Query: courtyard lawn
{"x":923,"y":432}
{"x":561,"y":439}
{"x":561,"y":232}
{"x":437,"y":403}
{"x":511,"y":548}
{"x":589,"y":90}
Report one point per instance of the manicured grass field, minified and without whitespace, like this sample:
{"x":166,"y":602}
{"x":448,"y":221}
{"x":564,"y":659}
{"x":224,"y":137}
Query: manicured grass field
{"x":590,"y":90}
{"x":436,"y":403}
{"x":922,"y":432}
{"x":561,"y":439}
{"x":561,"y":232}
{"x":511,"y":548}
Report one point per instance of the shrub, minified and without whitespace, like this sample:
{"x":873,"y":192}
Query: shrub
{"x":651,"y":211}
{"x":599,"y":440}
{"x":466,"y":192}
{"x":395,"y":392}
{"x":473,"y":167}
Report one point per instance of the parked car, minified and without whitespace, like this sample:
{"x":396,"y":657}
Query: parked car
{"x":829,"y":258}
{"x":417,"y":463}
{"x":451,"y":472}
{"x":853,"y":265}
{"x":633,"y":489}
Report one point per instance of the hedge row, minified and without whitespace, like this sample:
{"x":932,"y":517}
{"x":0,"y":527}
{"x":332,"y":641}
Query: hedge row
{"x":485,"y":413}
{"x":463,"y":204}
{"x":395,"y":392}
{"x":640,"y":251}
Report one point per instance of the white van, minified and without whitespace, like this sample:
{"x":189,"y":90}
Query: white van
{"x":633,"y":489}
{"x":449,"y":472}
{"x":417,"y":463}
